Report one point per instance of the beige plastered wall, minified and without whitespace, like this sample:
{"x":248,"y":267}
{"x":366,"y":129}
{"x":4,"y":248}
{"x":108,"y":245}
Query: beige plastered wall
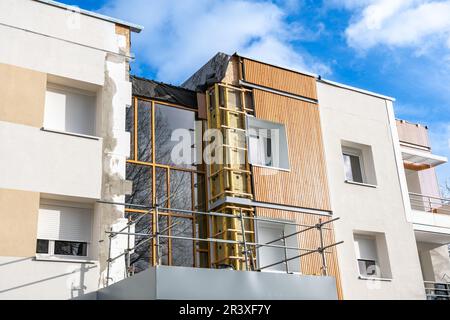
{"x":18,"y":227}
{"x":22,"y":93}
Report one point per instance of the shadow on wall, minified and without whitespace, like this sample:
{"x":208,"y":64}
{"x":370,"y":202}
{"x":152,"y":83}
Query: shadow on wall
{"x":26,"y":278}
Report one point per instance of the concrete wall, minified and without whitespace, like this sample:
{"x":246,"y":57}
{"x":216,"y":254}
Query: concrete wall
{"x":26,"y":278}
{"x":180,"y":283}
{"x":359,"y":118}
{"x":48,"y":162}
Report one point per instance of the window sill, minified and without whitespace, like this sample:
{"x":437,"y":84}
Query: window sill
{"x":62,"y":259}
{"x":374,"y":278}
{"x":362,"y":184}
{"x":269,"y":167}
{"x":72,"y":134}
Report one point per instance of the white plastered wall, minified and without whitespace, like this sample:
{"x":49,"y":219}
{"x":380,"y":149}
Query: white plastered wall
{"x":25,"y":278}
{"x":360,"y":118}
{"x":74,"y":45}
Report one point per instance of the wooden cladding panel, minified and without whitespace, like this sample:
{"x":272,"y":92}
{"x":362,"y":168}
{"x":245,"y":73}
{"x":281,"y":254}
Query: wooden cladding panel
{"x":305,"y":185}
{"x":310,"y":264}
{"x":280,"y":79}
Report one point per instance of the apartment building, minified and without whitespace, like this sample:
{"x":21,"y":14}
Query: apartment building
{"x":428,"y":214}
{"x":248,"y":181}
{"x":63,"y":145}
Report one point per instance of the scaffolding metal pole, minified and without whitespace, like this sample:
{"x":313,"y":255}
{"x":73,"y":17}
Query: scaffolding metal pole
{"x":108,"y":267}
{"x":301,"y":255}
{"x":128,"y":256}
{"x":244,"y":240}
{"x":218,"y":214}
{"x":158,"y":253}
{"x":321,"y":249}
{"x":285,"y":252}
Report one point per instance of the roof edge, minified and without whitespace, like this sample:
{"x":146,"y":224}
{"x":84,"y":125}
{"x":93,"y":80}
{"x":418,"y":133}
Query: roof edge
{"x":160,"y":82}
{"x":306,"y":73}
{"x":344,"y":86}
{"x":320,"y":79}
{"x":134,"y":27}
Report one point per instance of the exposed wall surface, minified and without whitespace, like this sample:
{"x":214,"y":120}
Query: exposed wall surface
{"x":22,"y":93}
{"x":305,"y":185}
{"x":359,"y":118}
{"x":26,"y":278}
{"x":18,"y":227}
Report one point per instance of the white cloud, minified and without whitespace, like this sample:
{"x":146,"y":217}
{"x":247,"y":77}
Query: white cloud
{"x":419,"y":24}
{"x":180,"y":36}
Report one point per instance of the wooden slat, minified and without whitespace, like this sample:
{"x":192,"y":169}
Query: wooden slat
{"x":305,"y":185}
{"x":279,"y":79}
{"x":310,"y":264}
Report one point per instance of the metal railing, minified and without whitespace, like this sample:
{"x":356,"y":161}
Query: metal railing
{"x":248,"y":248}
{"x":437,"y":290}
{"x":430,"y":204}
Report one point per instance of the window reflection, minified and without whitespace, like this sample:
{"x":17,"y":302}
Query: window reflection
{"x":173,"y":188}
{"x":167,"y":120}
{"x":142,"y":184}
{"x":144,"y":131}
{"x":180,"y":190}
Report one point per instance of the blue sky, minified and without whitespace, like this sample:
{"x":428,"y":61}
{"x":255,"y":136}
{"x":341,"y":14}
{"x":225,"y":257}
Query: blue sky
{"x":399,"y":48}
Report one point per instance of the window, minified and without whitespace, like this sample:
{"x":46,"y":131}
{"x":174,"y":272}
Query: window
{"x":64,"y":229}
{"x":372,"y":255}
{"x":358,"y":163}
{"x":67,"y":248}
{"x":42,"y":246}
{"x":70,"y":110}
{"x":167,"y":175}
{"x":268,"y":232}
{"x":267,"y":144}
{"x":61,"y":248}
{"x":367,"y":256}
{"x":367,"y":268}
{"x":352,"y":165}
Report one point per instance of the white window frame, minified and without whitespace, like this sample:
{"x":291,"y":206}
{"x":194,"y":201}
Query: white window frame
{"x":55,"y":87}
{"x":51,"y":252}
{"x":273,"y":225}
{"x":51,"y":256}
{"x":379,"y":272}
{"x":356,"y":153}
{"x":268,"y":125}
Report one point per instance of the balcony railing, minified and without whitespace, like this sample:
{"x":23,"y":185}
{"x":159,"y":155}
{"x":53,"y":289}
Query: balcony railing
{"x":437,"y":290}
{"x":247,"y":248}
{"x":430,"y":204}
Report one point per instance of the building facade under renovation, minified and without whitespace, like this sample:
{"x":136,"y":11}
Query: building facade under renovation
{"x":247,"y":181}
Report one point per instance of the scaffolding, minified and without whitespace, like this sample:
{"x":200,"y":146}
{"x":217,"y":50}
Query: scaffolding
{"x":227,"y":110}
{"x":247,"y":250}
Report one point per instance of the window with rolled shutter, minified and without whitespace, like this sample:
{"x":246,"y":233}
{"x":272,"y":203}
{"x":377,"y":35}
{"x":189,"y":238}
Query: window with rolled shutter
{"x":67,"y":223}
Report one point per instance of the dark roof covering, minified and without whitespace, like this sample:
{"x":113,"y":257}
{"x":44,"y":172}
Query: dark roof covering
{"x":213,"y":71}
{"x":163,"y":92}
